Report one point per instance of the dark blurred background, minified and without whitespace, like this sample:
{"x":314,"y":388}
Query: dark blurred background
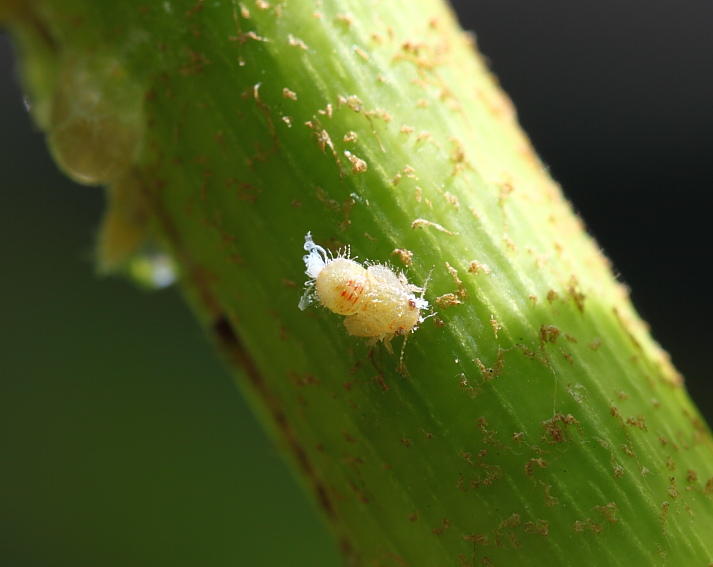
{"x":122,"y":439}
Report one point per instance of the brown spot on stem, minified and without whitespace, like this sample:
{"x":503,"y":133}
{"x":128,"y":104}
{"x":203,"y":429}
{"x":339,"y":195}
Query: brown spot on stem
{"x":444,"y":526}
{"x":447,"y":300}
{"x":404,"y":255}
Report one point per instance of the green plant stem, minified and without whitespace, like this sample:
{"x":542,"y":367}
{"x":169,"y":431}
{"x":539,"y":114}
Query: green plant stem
{"x":537,"y":421}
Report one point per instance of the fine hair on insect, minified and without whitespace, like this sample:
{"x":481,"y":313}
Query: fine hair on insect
{"x":378,"y":303}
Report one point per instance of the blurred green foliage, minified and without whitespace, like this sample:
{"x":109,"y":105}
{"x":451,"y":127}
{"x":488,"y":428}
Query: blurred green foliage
{"x":123,"y":440}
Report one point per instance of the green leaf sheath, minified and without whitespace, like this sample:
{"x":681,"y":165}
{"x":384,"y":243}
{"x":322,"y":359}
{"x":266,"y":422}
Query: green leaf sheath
{"x":535,"y":422}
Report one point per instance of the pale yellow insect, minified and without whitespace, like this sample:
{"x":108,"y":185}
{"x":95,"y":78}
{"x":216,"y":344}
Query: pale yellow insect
{"x":378,"y":303}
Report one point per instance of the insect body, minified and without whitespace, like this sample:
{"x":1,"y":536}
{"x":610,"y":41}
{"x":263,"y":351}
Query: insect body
{"x":378,"y":303}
